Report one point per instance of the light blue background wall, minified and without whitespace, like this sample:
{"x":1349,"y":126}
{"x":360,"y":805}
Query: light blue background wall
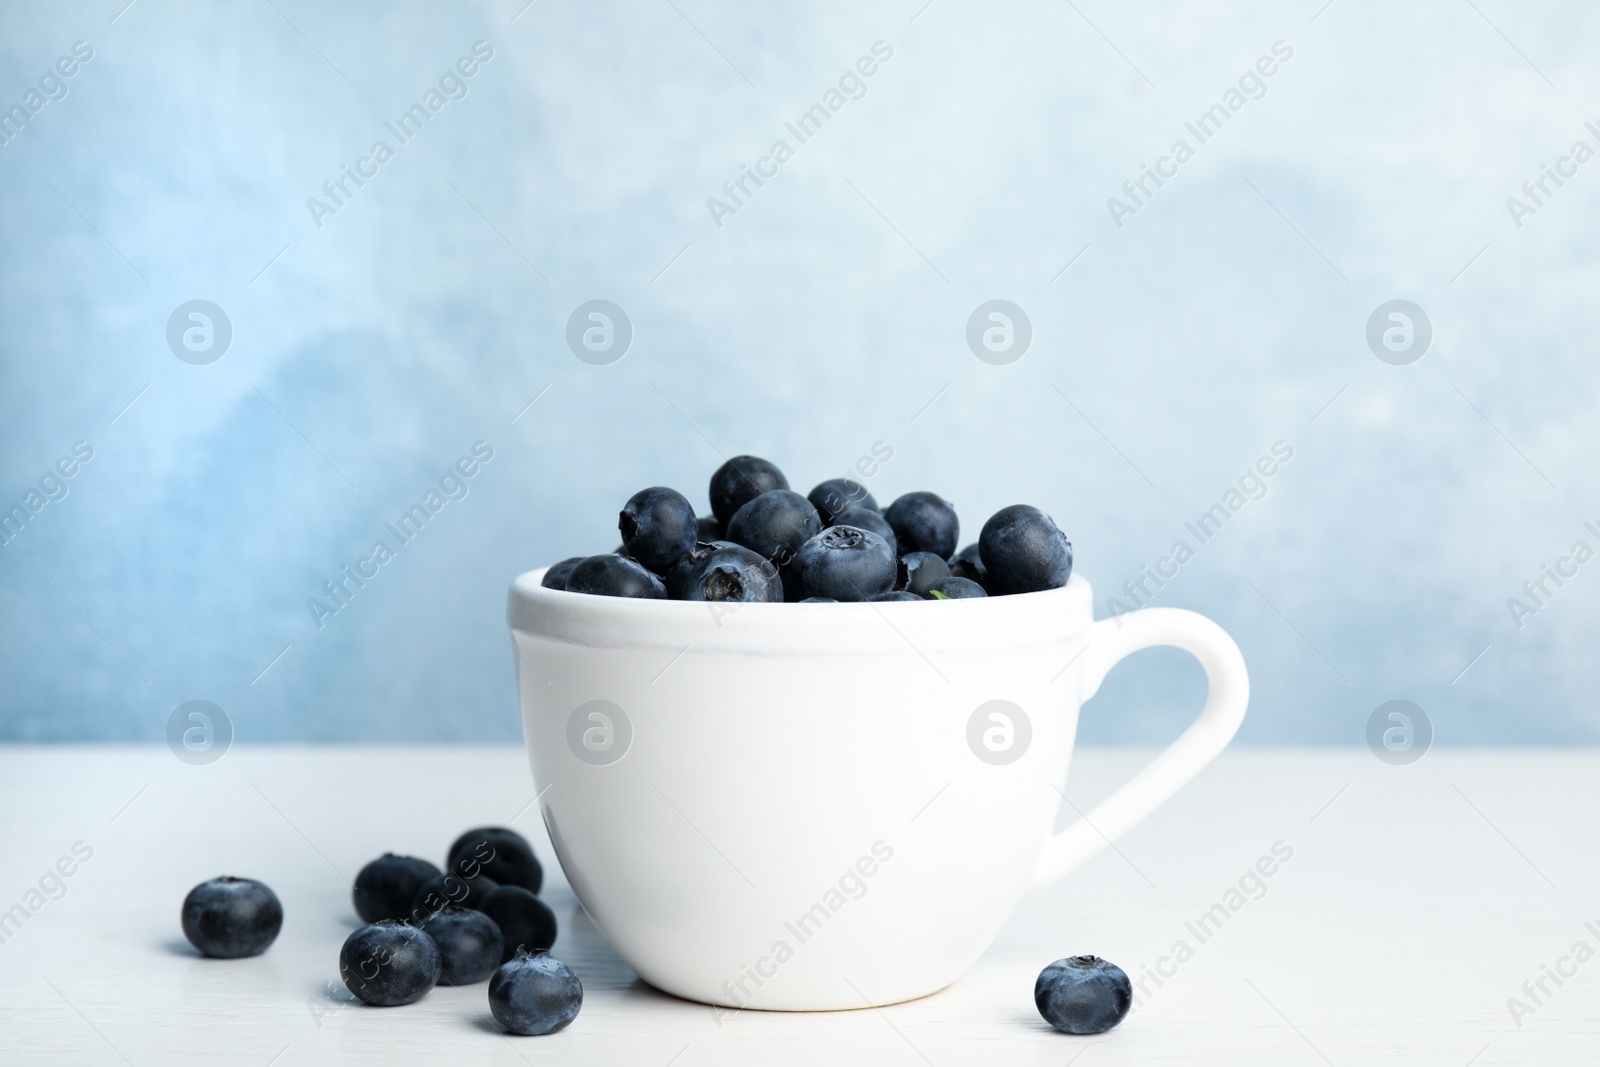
{"x":824,"y":316}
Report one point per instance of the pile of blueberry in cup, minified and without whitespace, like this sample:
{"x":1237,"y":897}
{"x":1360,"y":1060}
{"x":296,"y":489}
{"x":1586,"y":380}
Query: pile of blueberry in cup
{"x":765,"y":542}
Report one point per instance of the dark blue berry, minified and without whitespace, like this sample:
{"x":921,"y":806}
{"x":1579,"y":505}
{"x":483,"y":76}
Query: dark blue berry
{"x":895,"y":594}
{"x":498,"y":852}
{"x":556,"y":577}
{"x":739,"y":481}
{"x":386,"y":887}
{"x":924,"y":522}
{"x":658,"y":527}
{"x":1083,"y":995}
{"x":845,"y":563}
{"x":709,"y":529}
{"x":837,"y":494}
{"x":1024,"y":551}
{"x":775,"y":525}
{"x":535,"y":994}
{"x":613,"y":575}
{"x":229,"y":918}
{"x":723,"y":570}
{"x":389,"y":963}
{"x":525,"y":921}
{"x":469,"y":943}
{"x":919,"y":570}
{"x":867,"y":519}
{"x":819,"y":600}
{"x":438,"y":893}
{"x":968,"y":563}
{"x":953,"y":588}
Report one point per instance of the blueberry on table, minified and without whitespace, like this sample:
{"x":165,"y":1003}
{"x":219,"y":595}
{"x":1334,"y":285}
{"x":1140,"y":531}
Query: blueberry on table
{"x":525,"y":921}
{"x":867,"y":519}
{"x":894,"y":595}
{"x":741,"y":480}
{"x":1024,"y":551}
{"x":658,"y":527}
{"x":614,"y":575}
{"x":723,"y":570}
{"x":1083,"y":995}
{"x":389,"y":963}
{"x":556,"y":577}
{"x":845,"y":563}
{"x":438,"y":893}
{"x":953,"y":588}
{"x":919,"y":570}
{"x":775,"y":525}
{"x":968,"y":563}
{"x":229,"y":918}
{"x":498,"y":852}
{"x":924,"y":522}
{"x":469,"y":943}
{"x":386,"y":887}
{"x":535,"y":994}
{"x":837,"y":494}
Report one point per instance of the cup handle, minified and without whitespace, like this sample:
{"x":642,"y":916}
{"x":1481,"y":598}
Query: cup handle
{"x":1227,"y":693}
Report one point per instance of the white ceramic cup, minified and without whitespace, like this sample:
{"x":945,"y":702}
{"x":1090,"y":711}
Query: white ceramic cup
{"x":820,"y":806}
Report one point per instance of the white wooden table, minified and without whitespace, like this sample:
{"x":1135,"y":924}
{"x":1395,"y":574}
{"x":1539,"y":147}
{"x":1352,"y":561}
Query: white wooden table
{"x":1417,"y":901}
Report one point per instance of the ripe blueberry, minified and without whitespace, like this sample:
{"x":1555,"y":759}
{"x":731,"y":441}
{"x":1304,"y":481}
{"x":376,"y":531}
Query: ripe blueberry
{"x":723,"y":570}
{"x":818,"y":600}
{"x":708,"y":528}
{"x":968,"y":563}
{"x":386,"y":887}
{"x":535,"y":994}
{"x":447,"y":889}
{"x":919,"y":570}
{"x":953,"y":588}
{"x":837,"y":494}
{"x":525,"y":921}
{"x":1024,"y":551}
{"x":658,"y":527}
{"x":556,"y":577}
{"x":1083,"y":995}
{"x":741,"y":480}
{"x":924,"y":522}
{"x":775,"y":525}
{"x":845,"y":563}
{"x":469,"y":944}
{"x":894,"y":594}
{"x":613,"y":575}
{"x":389,"y":963}
{"x":501,"y":853}
{"x":229,"y":918}
{"x":867,"y":519}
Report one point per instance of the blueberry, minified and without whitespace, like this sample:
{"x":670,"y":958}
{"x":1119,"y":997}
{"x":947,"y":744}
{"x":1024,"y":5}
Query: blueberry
{"x":230,"y":918}
{"x":955,"y":589}
{"x":919,"y":570}
{"x":1083,"y":995}
{"x":502,"y":854}
{"x":525,"y":921}
{"x":658,"y":527}
{"x":924,"y":522}
{"x":739,"y":481}
{"x":535,"y":994}
{"x":837,"y":494}
{"x":722,"y":570}
{"x":819,"y":600}
{"x":469,"y":943}
{"x":895,"y":594}
{"x":709,"y":529}
{"x":556,"y":577}
{"x":613,"y":575}
{"x":1024,"y":551}
{"x":775,"y":525}
{"x":389,"y":963}
{"x":845,"y":563}
{"x":386,"y":887}
{"x":866,"y":519}
{"x":968,"y":563}
{"x":447,"y":889}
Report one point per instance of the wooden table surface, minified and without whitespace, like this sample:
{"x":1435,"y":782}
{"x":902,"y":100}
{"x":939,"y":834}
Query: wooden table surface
{"x":1444,"y":912}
